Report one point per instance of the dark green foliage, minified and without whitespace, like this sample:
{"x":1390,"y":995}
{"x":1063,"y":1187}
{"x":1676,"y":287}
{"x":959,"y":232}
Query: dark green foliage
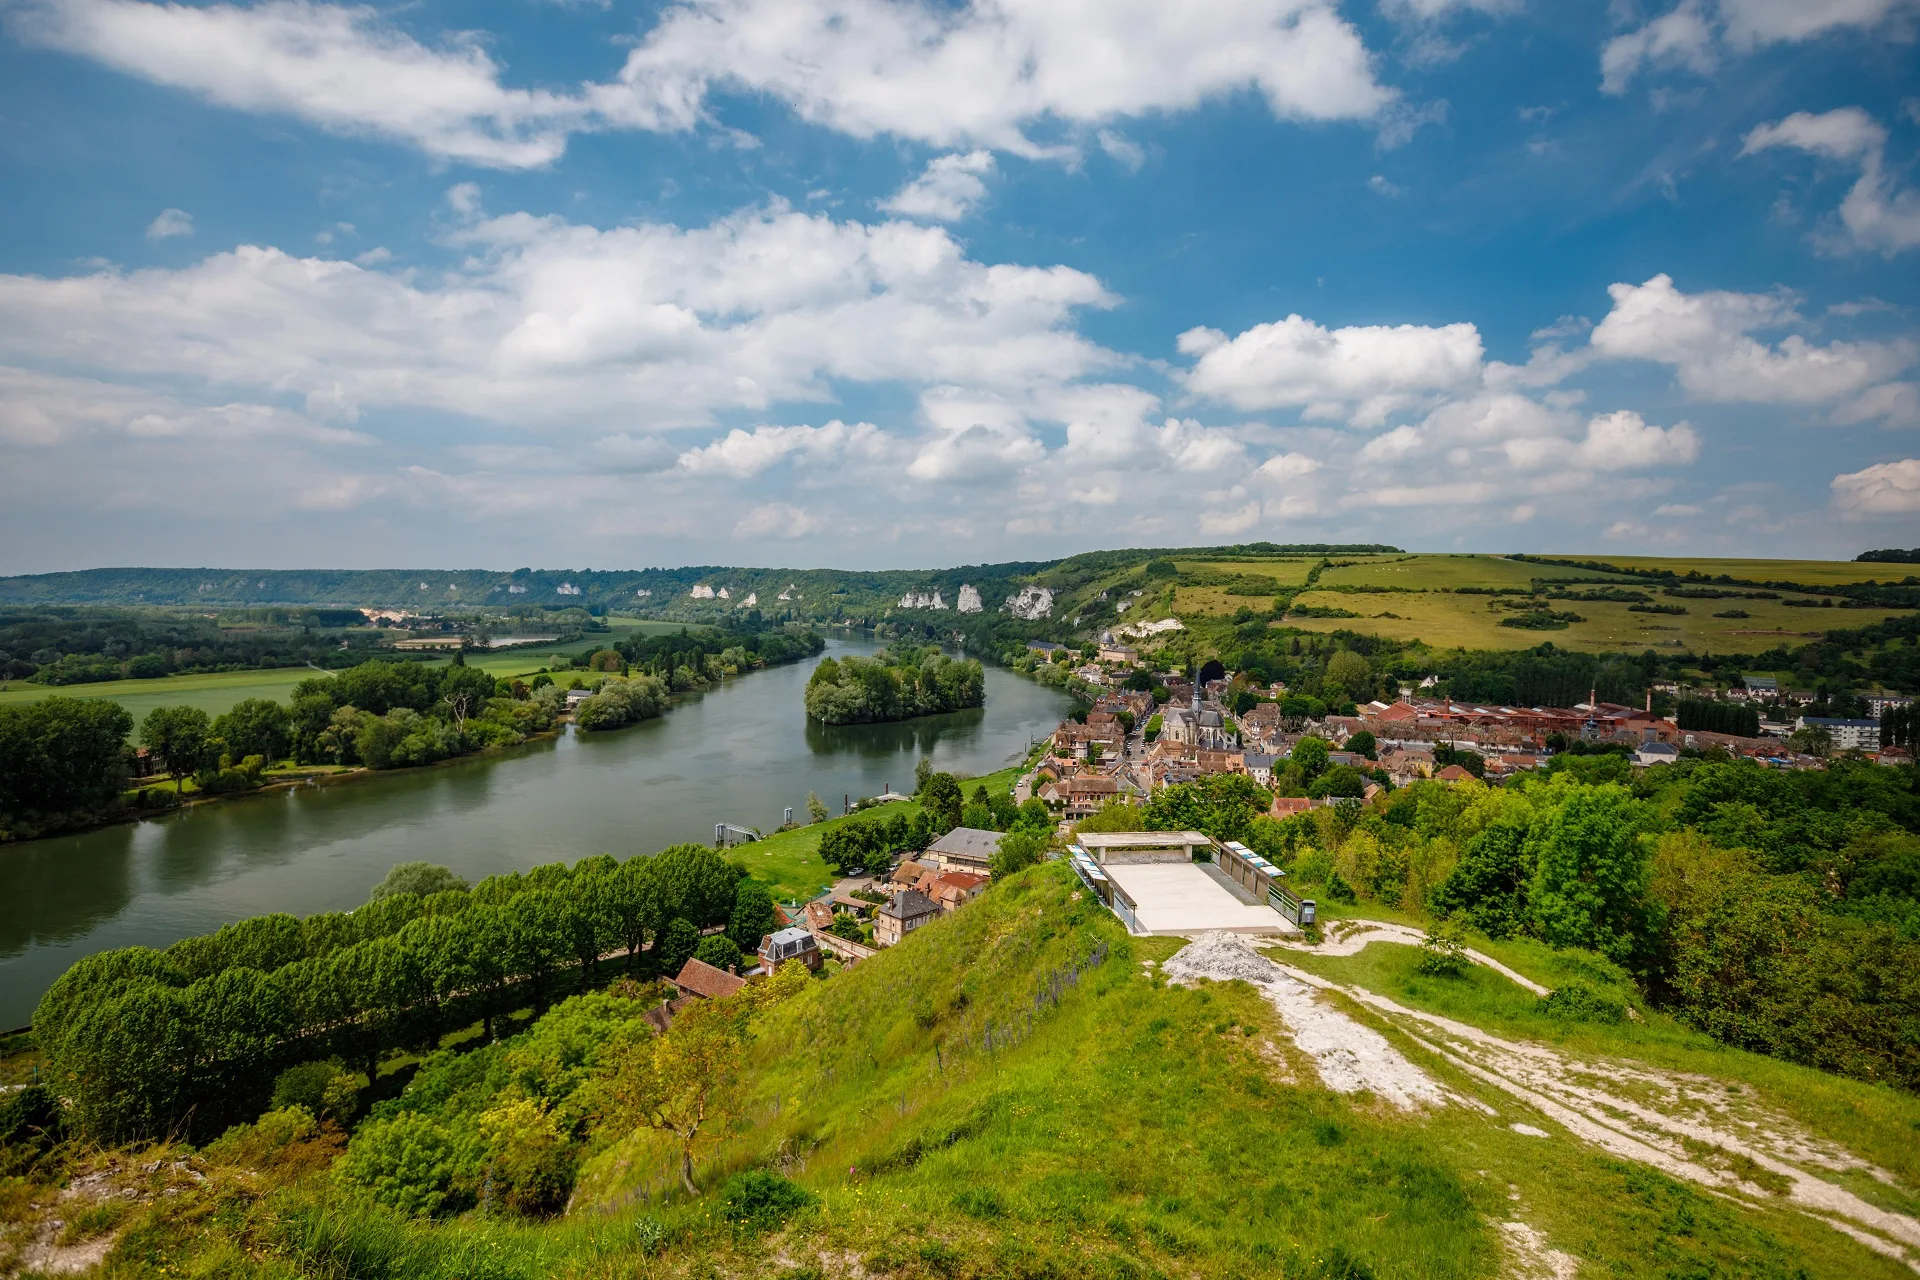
{"x":255,"y":727}
{"x":867,"y":846}
{"x":1222,"y":805}
{"x":761,"y":1201}
{"x":898,"y":684}
{"x":1718,"y":717}
{"x":1018,"y":850}
{"x":677,"y":945}
{"x":1576,"y":1001}
{"x":753,"y":915}
{"x":422,"y":879}
{"x":32,"y":1123}
{"x":60,"y":757}
{"x":1488,"y":887}
{"x":941,"y":801}
{"x":718,"y":950}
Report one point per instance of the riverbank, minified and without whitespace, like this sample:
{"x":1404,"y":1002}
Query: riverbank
{"x":742,"y":754}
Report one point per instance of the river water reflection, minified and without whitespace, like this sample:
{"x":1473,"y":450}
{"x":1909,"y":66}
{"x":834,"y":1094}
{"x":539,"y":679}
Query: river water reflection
{"x":740,"y":753}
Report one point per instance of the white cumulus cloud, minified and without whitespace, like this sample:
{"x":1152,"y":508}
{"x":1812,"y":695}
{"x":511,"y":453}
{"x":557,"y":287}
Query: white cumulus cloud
{"x":1885,"y":489}
{"x":746,"y":453}
{"x":778,"y":520}
{"x":1361,"y":371}
{"x":948,"y":190}
{"x":1877,"y":214}
{"x":1706,"y":338}
{"x":981,"y":74}
{"x":1696,"y":34}
{"x":340,"y":68}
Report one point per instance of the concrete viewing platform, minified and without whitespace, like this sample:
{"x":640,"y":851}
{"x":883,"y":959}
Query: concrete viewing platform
{"x":1182,"y":899}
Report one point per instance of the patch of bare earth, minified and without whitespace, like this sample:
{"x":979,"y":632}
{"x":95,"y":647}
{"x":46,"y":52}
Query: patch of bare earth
{"x":45,"y":1254}
{"x":1690,"y":1127}
{"x":1529,"y":1258}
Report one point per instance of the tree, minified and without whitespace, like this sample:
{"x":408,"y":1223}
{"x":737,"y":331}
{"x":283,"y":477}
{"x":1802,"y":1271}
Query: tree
{"x":942,"y":801}
{"x":256,"y":727}
{"x":718,"y":950}
{"x":1363,"y":743}
{"x":921,"y":772}
{"x":1813,"y":740}
{"x":753,"y":916}
{"x":816,"y":808}
{"x":1340,"y":780}
{"x":177,"y":736}
{"x":1591,"y":863}
{"x":686,"y":1082}
{"x":423,"y":879}
{"x":1488,"y":886}
{"x":1310,"y":753}
{"x":1351,"y":673}
{"x":1018,"y":850}
{"x":676,"y":946}
{"x":61,"y":754}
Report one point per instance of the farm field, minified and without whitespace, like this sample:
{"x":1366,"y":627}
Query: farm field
{"x":1448,"y":620}
{"x":1815,"y":573}
{"x":213,"y":694}
{"x":1430,"y":571}
{"x":1288,"y":572}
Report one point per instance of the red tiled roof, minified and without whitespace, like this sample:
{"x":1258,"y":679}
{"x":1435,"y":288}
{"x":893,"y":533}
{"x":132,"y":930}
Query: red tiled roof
{"x":698,"y":978}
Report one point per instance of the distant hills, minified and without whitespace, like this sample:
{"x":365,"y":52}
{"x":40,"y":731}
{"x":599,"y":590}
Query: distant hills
{"x":681,"y":592}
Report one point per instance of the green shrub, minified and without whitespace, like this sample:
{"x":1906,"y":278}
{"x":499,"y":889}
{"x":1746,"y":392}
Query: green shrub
{"x":761,"y":1201}
{"x":1441,"y":955}
{"x":413,"y":1164}
{"x":1579,"y":1002}
{"x":718,"y":950}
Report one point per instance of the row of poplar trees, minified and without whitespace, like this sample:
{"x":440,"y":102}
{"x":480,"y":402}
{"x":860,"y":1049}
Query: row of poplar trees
{"x":186,"y":1041}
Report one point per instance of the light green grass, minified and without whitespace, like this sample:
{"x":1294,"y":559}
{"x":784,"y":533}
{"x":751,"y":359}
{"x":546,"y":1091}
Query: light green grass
{"x":1812,"y":572}
{"x":790,"y":861}
{"x":1448,"y":620}
{"x":1425,"y":572}
{"x":1289,"y":572}
{"x":1124,"y":1130}
{"x":213,"y":693}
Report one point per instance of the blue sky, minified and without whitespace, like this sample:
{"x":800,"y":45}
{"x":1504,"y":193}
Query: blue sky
{"x":879,"y":283}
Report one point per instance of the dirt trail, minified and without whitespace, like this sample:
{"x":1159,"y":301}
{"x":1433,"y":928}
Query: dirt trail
{"x":1350,"y":1057}
{"x":1686,"y":1125}
{"x":1345,"y":937}
{"x":1691,"y":1127}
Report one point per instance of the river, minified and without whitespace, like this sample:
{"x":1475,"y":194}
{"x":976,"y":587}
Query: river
{"x":738,"y":753}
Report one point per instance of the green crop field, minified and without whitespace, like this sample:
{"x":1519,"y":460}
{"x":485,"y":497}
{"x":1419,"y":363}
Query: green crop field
{"x":1815,"y":573}
{"x":1448,"y":620}
{"x":1430,"y":571}
{"x":213,"y":694}
{"x":1288,"y":572}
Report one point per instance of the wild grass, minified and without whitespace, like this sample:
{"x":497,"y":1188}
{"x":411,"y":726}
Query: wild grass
{"x":1113,"y":1127}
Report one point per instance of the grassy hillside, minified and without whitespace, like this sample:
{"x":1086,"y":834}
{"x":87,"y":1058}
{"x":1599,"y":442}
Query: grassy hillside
{"x":1017,"y":1091}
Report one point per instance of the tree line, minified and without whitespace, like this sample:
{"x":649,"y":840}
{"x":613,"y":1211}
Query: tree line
{"x":1709,"y":716}
{"x":898,"y":683}
{"x":189,"y":1039}
{"x":78,"y":645}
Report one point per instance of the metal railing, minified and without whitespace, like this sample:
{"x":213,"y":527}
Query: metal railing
{"x":1298,"y":910}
